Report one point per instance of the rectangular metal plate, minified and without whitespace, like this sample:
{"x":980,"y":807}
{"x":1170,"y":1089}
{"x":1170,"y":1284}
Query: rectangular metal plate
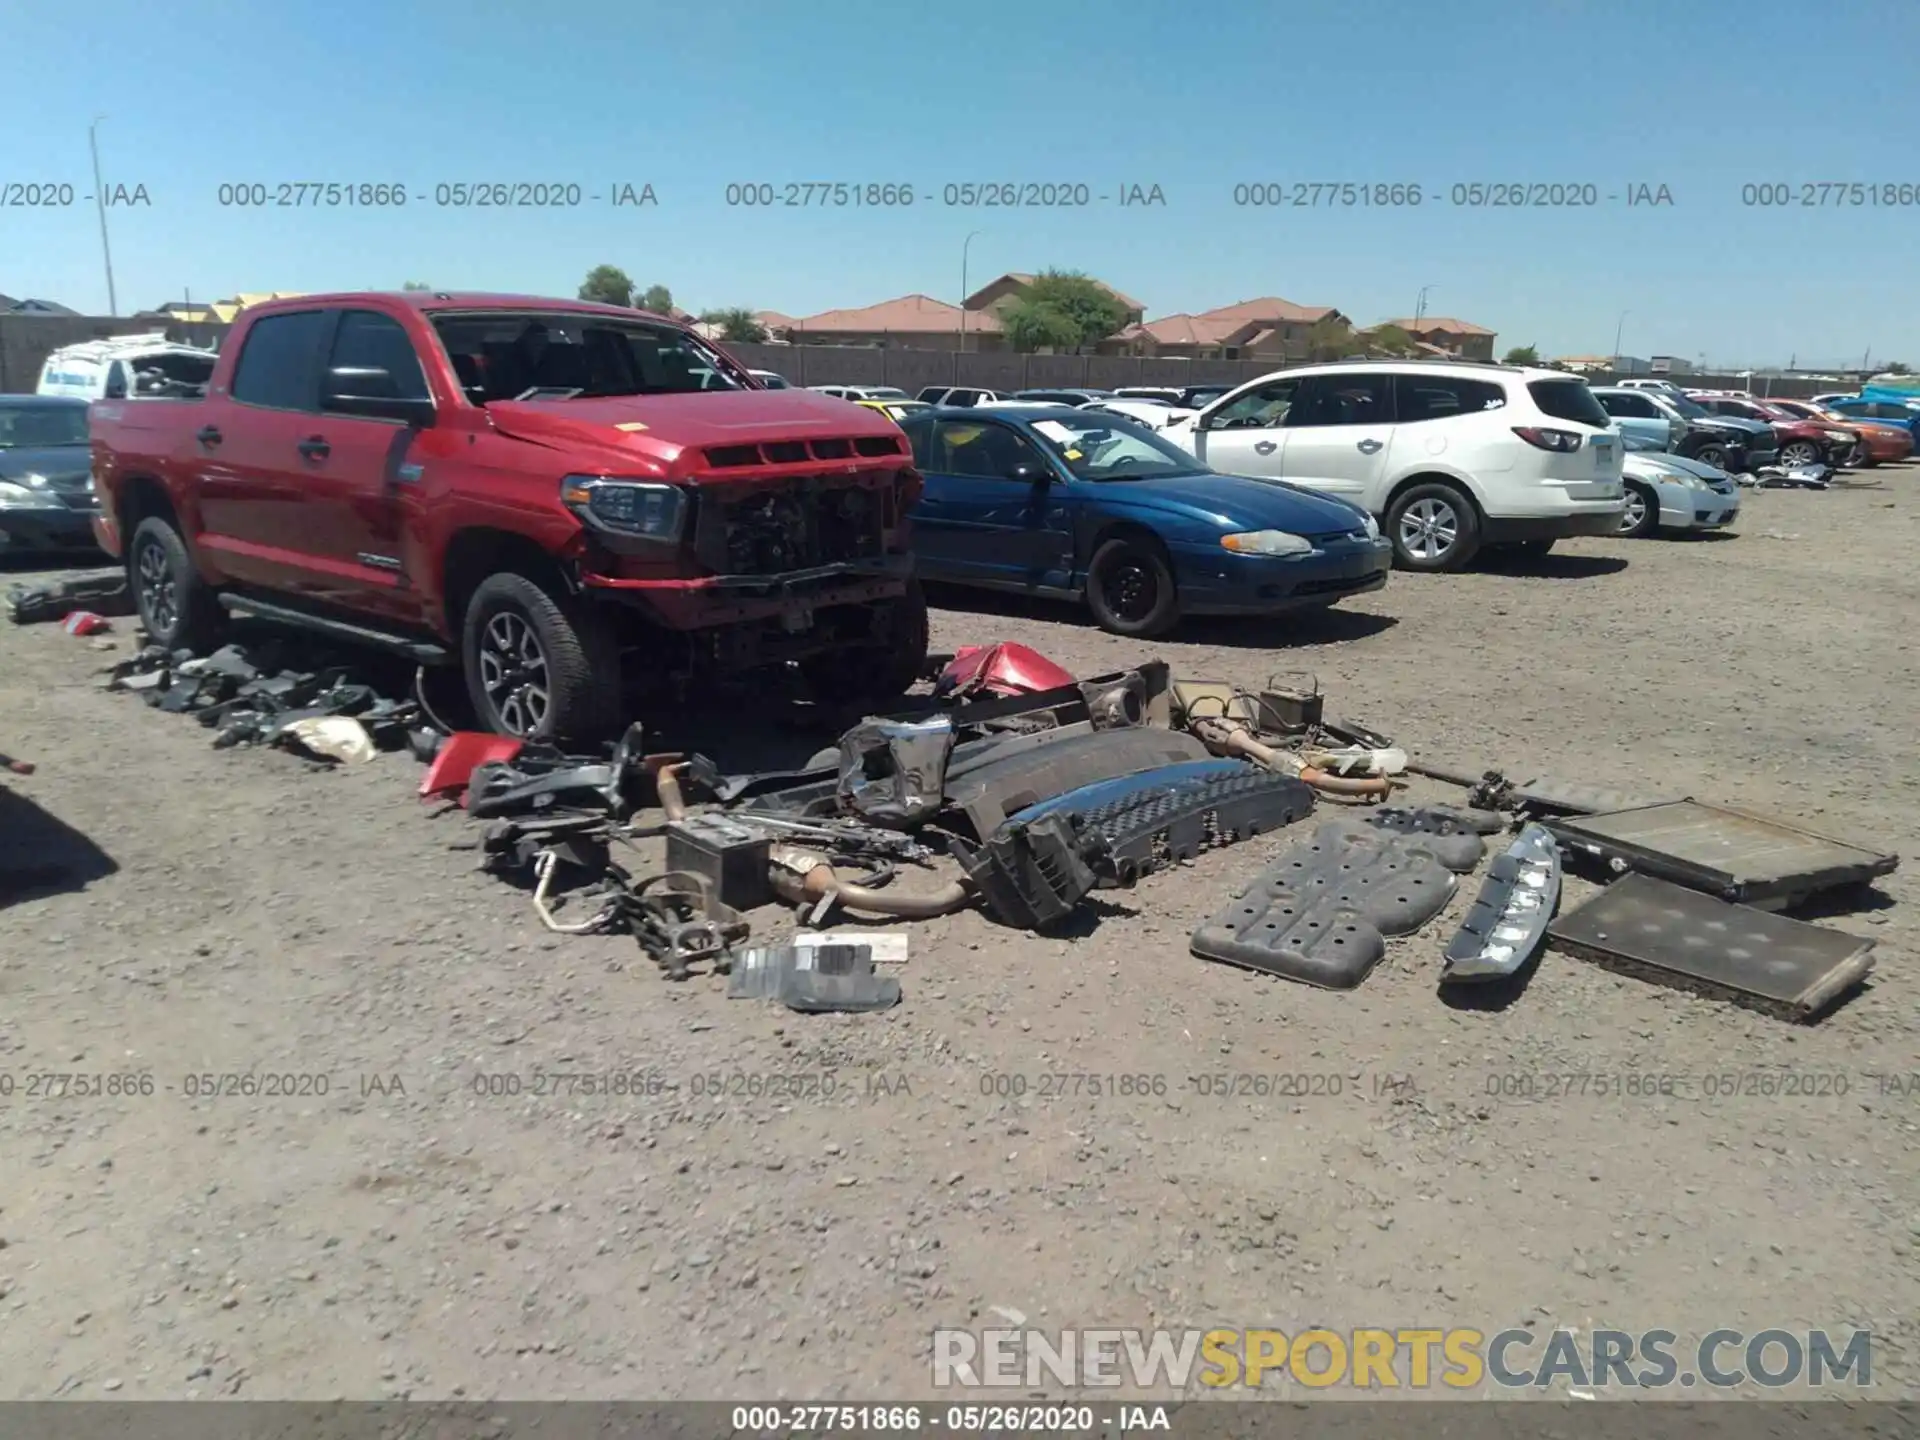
{"x":1728,"y":853}
{"x":1671,"y":935}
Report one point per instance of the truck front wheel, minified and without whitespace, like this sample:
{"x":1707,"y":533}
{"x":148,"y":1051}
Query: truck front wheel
{"x":539,"y":668}
{"x":177,"y":608}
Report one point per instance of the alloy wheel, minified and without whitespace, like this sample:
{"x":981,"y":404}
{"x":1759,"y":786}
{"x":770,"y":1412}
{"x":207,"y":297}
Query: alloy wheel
{"x":1635,"y":514}
{"x":1800,"y":452}
{"x":1711,"y":455}
{"x":159,"y":597}
{"x":1428,"y":529}
{"x":513,"y":673}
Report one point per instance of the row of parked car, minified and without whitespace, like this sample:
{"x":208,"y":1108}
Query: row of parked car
{"x":573,"y":503}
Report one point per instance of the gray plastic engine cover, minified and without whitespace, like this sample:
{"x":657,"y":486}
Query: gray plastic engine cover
{"x":1509,"y":918}
{"x":1454,"y":844}
{"x":1321,"y":912}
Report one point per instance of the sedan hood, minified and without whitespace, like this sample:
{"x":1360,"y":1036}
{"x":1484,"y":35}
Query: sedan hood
{"x":48,"y":460}
{"x":662,"y":427}
{"x":1654,"y":468}
{"x":1245,"y":503}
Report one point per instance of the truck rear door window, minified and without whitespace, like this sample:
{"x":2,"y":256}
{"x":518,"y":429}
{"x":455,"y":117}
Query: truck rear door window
{"x":279,"y":364}
{"x":552,"y":355}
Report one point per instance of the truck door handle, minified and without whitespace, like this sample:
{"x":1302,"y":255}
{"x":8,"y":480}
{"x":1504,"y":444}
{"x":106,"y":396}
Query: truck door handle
{"x":314,"y":447}
{"x":1264,"y":447}
{"x":1368,"y":447}
{"x":208,"y":435}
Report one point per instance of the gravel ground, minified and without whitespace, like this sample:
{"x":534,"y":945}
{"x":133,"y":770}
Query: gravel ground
{"x":406,"y":1234}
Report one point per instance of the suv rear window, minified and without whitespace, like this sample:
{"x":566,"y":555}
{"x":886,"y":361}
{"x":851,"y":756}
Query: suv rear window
{"x":1568,"y":400}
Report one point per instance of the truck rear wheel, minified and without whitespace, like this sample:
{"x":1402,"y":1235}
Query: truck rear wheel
{"x":537,"y":667}
{"x":178,"y":609}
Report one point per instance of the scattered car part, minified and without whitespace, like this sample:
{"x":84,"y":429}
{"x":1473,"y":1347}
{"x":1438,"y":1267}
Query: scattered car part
{"x":1116,"y":704}
{"x":535,"y":781}
{"x":846,"y":838}
{"x":1509,"y":918}
{"x":1228,"y":737}
{"x":85,"y":622}
{"x":1038,"y":769}
{"x":1320,"y":913}
{"x":16,"y":767}
{"x":1195,"y":700}
{"x":678,"y":923}
{"x":104,"y":594}
{"x":893,"y":772}
{"x":887,"y":947}
{"x":544,"y":865}
{"x":1032,"y":874}
{"x":1291,"y":709}
{"x":813,"y":979}
{"x":329,"y":737}
{"x":1169,"y":815}
{"x":1456,"y":845}
{"x":1005,"y":669}
{"x":459,"y":755}
{"x":730,"y":854}
{"x":1357,"y":759}
{"x":1743,"y":859}
{"x":1065,"y":704}
{"x":806,"y":877}
{"x":1668,"y":934}
{"x":1493,"y":791}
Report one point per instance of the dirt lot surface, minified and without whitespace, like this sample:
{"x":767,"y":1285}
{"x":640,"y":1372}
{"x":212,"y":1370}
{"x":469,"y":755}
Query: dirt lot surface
{"x":793,"y":1204}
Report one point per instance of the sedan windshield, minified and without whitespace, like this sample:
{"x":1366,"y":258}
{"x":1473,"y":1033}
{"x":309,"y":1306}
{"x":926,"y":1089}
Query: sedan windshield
{"x":30,"y":427}
{"x":552,"y":355}
{"x":1097,"y":449}
{"x":1688,"y":410}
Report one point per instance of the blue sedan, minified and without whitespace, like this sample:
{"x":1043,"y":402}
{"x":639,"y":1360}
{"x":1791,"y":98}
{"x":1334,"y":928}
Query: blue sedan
{"x":1091,"y":507}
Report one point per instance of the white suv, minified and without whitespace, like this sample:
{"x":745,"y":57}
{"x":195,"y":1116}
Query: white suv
{"x":1449,"y":456}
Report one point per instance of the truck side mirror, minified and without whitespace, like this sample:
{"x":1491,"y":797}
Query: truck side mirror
{"x":369,"y":391}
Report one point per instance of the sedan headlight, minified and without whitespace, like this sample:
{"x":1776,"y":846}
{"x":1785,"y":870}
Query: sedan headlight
{"x":16,"y":496}
{"x":1267,"y":542}
{"x":1695,"y":482}
{"x":1846,"y":435}
{"x":644,"y":509}
{"x":1371,"y":525}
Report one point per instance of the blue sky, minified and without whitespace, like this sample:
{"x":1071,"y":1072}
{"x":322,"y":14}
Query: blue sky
{"x":1704,"y":97}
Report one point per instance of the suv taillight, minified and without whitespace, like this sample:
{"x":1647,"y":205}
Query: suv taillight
{"x":1563,"y":441}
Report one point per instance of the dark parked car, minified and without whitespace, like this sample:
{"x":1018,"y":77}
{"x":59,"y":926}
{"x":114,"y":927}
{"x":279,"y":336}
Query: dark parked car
{"x":46,"y":474}
{"x":1187,"y":397}
{"x":1801,"y":442}
{"x":1083,"y":506}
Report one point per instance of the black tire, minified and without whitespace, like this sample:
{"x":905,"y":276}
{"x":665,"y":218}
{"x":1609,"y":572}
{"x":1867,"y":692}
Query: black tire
{"x":1647,"y":524}
{"x":1131,"y":590}
{"x":1862,"y":458}
{"x":1801,"y":452}
{"x":1714,"y":455}
{"x":1423,"y":516}
{"x":539,"y":667}
{"x":178,"y":608}
{"x":873,"y":675}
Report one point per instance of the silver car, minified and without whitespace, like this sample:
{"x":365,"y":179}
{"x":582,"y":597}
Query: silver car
{"x":1671,"y":492}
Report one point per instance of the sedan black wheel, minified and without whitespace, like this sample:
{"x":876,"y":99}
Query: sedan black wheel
{"x":1800,"y":452}
{"x":1131,"y":590}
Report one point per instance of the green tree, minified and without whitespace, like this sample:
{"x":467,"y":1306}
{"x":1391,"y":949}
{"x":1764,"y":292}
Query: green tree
{"x":1029,"y":327}
{"x":1898,"y":367}
{"x":1522,"y":355}
{"x":737,"y":323}
{"x":416,"y":285}
{"x":607,"y":285}
{"x":1332,"y":338}
{"x":1062,"y":309}
{"x":656,"y":298}
{"x":1391,"y":340}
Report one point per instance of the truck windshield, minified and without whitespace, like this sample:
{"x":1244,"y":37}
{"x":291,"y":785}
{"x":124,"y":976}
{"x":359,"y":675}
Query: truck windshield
{"x":556,"y":356}
{"x":29,"y":427}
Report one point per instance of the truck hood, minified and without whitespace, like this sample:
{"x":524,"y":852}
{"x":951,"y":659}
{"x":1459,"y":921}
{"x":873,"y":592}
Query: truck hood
{"x":1241,"y":502}
{"x":663,"y":426}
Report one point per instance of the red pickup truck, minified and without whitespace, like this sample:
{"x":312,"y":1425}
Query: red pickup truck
{"x":573,"y":502}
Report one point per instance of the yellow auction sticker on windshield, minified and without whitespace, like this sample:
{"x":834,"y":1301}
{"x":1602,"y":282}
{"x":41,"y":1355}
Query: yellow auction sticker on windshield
{"x":1075,"y":455}
{"x":630,"y":425}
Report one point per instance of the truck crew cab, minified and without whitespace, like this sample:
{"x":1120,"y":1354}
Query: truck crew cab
{"x":569,"y":501}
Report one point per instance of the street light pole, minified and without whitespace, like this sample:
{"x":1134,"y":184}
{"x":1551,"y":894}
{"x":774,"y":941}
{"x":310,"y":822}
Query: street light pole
{"x":965,"y":245}
{"x":100,"y":202}
{"x":1617,"y":329}
{"x":1420,"y":305}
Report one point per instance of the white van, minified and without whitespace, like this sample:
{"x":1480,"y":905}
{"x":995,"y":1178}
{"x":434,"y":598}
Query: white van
{"x":126,"y":367}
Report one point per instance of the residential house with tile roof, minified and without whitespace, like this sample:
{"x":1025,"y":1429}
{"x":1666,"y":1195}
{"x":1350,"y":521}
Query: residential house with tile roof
{"x":913,"y":322}
{"x":1268,"y":328}
{"x":1448,"y":336}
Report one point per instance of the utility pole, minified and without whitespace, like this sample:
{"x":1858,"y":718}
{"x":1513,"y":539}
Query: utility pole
{"x":1616,"y":339}
{"x":965,"y":245}
{"x":100,"y":202}
{"x":1420,"y":305}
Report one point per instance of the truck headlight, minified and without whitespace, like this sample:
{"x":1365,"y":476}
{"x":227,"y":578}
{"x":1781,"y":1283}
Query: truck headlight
{"x":16,"y":496}
{"x":642,"y":508}
{"x":1266,"y":542}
